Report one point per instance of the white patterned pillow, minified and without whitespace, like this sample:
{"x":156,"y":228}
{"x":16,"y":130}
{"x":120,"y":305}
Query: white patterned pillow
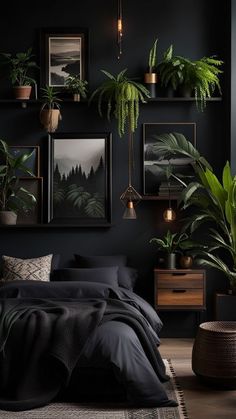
{"x":37,"y":269}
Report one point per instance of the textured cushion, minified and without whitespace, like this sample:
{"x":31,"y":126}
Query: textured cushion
{"x":127,"y":277}
{"x":100,"y":261}
{"x":37,"y":269}
{"x":103,"y":275}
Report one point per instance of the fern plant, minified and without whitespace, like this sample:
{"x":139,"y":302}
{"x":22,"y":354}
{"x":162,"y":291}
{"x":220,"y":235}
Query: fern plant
{"x":122,"y":96}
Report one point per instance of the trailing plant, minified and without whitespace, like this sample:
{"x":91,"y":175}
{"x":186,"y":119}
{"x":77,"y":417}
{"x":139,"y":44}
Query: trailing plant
{"x":20,"y":66}
{"x":200,"y":76}
{"x":122,"y":96}
{"x":152,"y":58}
{"x":213,"y":201}
{"x":76,"y":86}
{"x":12,"y":196}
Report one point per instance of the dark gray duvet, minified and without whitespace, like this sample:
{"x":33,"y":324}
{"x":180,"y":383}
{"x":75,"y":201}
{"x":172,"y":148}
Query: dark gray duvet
{"x":51,"y":334}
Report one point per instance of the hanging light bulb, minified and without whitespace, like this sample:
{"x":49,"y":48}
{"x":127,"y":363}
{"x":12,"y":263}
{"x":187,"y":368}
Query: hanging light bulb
{"x":119,"y":28}
{"x":130,"y":213}
{"x":169,"y":214}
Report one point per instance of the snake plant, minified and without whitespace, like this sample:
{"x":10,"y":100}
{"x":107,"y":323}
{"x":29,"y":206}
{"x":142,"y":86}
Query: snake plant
{"x":213,"y":200}
{"x":122,"y":96}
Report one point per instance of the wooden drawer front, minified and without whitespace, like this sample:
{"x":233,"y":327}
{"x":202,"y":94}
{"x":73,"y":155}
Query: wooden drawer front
{"x":180,"y":281}
{"x":187,"y":297}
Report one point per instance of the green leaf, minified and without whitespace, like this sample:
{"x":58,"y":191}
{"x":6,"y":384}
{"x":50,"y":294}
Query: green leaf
{"x":227,"y":177}
{"x":216,"y":188}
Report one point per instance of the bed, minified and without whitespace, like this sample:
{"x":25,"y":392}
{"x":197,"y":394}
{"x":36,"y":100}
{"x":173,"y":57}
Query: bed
{"x":73,"y":340}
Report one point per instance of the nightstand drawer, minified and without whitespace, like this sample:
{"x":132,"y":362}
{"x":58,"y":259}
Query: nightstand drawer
{"x":179,"y":297}
{"x":171,"y":280}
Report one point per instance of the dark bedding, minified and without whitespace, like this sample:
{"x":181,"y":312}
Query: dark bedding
{"x":50,"y":332}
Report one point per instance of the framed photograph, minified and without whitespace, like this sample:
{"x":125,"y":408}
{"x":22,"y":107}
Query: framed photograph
{"x":34,"y":215}
{"x":79,"y":179}
{"x":63,"y":52}
{"x":155,"y":182}
{"x":33,"y":163}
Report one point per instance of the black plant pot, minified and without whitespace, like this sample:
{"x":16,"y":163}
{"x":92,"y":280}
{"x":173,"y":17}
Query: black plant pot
{"x":170,"y":261}
{"x":151,"y":87}
{"x":185,"y":91}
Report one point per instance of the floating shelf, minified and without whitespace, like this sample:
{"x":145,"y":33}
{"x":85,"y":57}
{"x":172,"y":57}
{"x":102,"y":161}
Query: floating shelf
{"x":45,"y":226}
{"x":159,"y":198}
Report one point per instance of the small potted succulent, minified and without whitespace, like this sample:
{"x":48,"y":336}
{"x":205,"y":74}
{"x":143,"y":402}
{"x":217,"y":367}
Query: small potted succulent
{"x":77,"y":87}
{"x":20,"y":67}
{"x":150,"y":77}
{"x":50,"y":113}
{"x":13,"y":198}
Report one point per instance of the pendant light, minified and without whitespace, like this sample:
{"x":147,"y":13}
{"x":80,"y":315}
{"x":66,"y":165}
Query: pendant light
{"x":169,"y":214}
{"x":130,"y":197}
{"x":119,"y":28}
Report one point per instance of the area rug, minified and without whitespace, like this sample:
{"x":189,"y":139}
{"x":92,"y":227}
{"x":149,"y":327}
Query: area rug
{"x":108,"y":411}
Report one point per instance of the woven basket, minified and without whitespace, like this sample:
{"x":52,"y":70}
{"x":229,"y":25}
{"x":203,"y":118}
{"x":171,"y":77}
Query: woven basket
{"x":214,"y":353}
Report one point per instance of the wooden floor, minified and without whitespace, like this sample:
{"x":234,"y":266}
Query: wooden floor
{"x":202,"y":401}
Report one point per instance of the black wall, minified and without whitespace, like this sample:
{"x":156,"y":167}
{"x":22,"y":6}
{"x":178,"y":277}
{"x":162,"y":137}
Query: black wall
{"x":196,"y":28}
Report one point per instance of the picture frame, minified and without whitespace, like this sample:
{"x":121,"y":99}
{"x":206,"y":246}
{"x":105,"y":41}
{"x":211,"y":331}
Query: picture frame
{"x":63,"y":51}
{"x":33,"y":216}
{"x":155,"y":182}
{"x":33,"y":163}
{"x":79,"y":179}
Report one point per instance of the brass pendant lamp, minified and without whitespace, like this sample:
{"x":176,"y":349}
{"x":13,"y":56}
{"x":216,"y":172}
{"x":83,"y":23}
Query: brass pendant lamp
{"x":119,"y":27}
{"x":169,"y":214}
{"x":130,"y":197}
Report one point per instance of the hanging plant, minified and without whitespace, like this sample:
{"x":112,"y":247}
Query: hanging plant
{"x":122,"y":96}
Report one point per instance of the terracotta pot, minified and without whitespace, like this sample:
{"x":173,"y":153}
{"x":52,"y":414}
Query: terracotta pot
{"x":76,"y":97}
{"x":186,"y":262}
{"x":49,"y":118}
{"x":8,"y":217}
{"x":22,"y":92}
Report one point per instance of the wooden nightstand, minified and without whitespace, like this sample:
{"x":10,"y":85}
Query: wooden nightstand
{"x":180,"y":289}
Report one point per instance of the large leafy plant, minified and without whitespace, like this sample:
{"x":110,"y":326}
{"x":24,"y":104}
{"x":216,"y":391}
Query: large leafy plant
{"x":12,"y":196}
{"x":213,"y":200}
{"x":122,"y":96}
{"x":20,"y":67}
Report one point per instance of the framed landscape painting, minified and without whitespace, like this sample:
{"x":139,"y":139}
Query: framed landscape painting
{"x":79,"y":179}
{"x":64,"y":52}
{"x":155,"y":182}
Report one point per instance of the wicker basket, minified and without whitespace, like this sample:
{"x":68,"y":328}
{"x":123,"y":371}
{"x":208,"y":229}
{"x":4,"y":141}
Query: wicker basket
{"x":214,"y":353}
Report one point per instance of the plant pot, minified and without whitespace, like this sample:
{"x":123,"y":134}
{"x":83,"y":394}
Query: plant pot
{"x":8,"y":217}
{"x":22,"y":92}
{"x":76,"y":97}
{"x":186,"y":262}
{"x":170,"y":261}
{"x":150,"y":80}
{"x":185,"y":91}
{"x":49,"y":118}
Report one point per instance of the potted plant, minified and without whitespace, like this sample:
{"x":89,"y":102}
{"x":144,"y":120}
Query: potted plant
{"x":191,"y":77}
{"x":150,"y":77}
{"x":169,"y":244}
{"x":76,"y":86}
{"x":20,"y":67}
{"x":122,"y":96}
{"x":50,"y":114}
{"x":13,"y":198}
{"x":213,"y":201}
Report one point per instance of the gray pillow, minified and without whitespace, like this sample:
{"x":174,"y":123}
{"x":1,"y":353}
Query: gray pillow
{"x":107,"y":275}
{"x":100,"y":261}
{"x":127,"y":277}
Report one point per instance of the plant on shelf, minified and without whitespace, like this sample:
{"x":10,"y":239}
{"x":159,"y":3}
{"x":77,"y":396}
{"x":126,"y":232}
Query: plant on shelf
{"x":122,"y":97}
{"x":13,"y":198}
{"x":150,"y":77}
{"x":76,"y":86}
{"x":19,"y":69}
{"x":199,"y":77}
{"x":170,"y":245}
{"x":50,"y":113}
{"x":213,"y":201}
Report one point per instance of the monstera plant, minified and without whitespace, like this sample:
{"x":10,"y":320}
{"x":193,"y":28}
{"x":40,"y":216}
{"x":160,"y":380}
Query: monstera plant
{"x":213,"y":201}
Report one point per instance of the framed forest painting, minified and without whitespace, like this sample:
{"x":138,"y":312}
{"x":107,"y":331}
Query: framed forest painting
{"x":79,"y":179}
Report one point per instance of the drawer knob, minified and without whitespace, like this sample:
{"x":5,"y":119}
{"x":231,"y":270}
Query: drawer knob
{"x":179,"y":291}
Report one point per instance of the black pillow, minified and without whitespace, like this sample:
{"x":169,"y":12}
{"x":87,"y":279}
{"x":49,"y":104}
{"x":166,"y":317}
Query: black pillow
{"x":55,"y":262}
{"x":100,"y":261}
{"x":127,"y":277}
{"x":102,"y":275}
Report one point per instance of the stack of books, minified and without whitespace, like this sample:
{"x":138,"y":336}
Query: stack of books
{"x":172,"y":188}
